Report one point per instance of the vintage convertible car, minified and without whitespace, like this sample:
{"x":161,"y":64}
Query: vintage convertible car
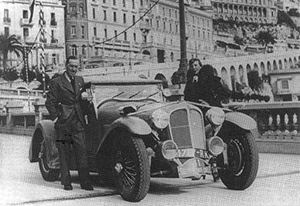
{"x":136,"y":134}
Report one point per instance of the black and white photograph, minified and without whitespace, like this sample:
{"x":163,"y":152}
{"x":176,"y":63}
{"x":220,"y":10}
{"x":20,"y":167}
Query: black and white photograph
{"x":150,"y":102}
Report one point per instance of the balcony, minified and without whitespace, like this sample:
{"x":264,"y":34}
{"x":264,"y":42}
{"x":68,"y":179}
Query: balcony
{"x":6,"y":20}
{"x":25,"y":22}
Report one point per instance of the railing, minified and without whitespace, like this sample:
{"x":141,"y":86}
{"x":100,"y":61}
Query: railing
{"x":14,"y":121}
{"x":278,"y":125}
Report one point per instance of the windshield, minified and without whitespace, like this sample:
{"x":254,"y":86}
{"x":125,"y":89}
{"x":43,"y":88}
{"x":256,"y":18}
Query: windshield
{"x":128,"y":91}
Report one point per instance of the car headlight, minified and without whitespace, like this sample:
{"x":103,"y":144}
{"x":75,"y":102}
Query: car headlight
{"x":167,"y":92}
{"x":160,"y":118}
{"x":215,"y":116}
{"x":169,"y":149}
{"x":215,"y":145}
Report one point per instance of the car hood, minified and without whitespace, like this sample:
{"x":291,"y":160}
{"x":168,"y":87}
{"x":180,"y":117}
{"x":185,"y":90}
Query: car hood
{"x":110,"y":111}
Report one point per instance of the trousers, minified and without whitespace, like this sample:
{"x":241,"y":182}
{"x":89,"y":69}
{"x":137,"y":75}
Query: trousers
{"x":71,"y":140}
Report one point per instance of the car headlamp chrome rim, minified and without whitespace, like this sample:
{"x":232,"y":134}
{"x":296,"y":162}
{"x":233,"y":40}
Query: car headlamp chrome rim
{"x":169,"y":149}
{"x":215,"y":116}
{"x":167,"y":92}
{"x":215,"y":145}
{"x":160,"y":118}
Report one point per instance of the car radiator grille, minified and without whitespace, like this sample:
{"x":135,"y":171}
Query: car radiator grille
{"x":187,"y":128}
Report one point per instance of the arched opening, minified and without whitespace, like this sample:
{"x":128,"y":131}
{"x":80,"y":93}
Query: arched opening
{"x":286,"y":64}
{"x":275,"y":65}
{"x":280,"y":65}
{"x":291,"y":63}
{"x":224,"y":76}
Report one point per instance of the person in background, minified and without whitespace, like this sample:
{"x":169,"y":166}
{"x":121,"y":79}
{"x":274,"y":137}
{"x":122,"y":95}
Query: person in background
{"x":65,"y":102}
{"x":203,"y":84}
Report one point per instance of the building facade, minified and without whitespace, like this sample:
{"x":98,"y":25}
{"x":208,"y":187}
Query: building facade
{"x":259,"y":11}
{"x":134,"y":31}
{"x":14,"y":19}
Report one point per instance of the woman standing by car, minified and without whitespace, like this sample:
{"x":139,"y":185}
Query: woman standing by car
{"x":203,"y":84}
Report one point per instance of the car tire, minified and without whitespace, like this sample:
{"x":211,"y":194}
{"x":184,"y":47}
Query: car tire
{"x":48,"y":174}
{"x":242,"y":159}
{"x":131,"y":169}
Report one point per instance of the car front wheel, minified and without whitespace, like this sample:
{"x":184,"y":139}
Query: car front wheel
{"x":48,"y":174}
{"x":131,"y":168}
{"x":243,"y":160}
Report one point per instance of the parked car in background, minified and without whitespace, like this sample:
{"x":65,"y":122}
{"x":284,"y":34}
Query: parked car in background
{"x":135,"y":134}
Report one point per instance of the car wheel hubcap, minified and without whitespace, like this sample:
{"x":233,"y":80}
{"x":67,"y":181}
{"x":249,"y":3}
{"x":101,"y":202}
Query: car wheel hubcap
{"x":118,"y":167}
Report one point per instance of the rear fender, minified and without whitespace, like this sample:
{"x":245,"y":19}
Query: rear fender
{"x":44,"y":132}
{"x":241,"y":120}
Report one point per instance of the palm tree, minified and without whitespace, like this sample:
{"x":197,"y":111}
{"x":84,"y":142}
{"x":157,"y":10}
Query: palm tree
{"x":9,"y":44}
{"x":264,"y":38}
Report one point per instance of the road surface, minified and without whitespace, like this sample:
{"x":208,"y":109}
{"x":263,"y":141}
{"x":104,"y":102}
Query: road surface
{"x":277,"y":184}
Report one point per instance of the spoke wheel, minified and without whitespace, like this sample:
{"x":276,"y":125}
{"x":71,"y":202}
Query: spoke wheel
{"x":243,"y":160}
{"x":48,"y":174}
{"x":131,"y":168}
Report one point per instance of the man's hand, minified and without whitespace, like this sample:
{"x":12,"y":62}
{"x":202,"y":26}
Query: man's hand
{"x":55,"y":120}
{"x":86,"y":96}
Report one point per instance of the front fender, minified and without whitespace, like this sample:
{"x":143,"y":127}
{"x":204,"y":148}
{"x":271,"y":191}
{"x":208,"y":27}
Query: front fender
{"x":241,"y":120}
{"x":44,"y":132}
{"x":134,"y":125}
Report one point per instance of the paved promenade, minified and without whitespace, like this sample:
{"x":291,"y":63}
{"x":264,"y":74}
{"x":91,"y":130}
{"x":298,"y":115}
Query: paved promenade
{"x":277,"y":184}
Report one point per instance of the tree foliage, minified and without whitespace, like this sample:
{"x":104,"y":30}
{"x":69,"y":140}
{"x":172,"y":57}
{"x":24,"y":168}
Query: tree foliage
{"x":264,"y":38}
{"x":9,"y":44}
{"x":30,"y":73}
{"x":284,"y":18}
{"x":10,"y":74}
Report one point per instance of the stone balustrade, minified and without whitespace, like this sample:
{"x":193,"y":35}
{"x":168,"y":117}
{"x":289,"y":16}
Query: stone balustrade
{"x":278,"y":124}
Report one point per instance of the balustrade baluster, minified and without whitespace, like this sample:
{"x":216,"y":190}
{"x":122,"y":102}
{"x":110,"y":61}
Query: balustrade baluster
{"x":295,"y":124}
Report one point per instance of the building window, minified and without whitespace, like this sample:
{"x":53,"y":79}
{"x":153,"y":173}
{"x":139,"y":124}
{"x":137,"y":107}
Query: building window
{"x":116,"y":33}
{"x":125,"y":36}
{"x":115,"y":16}
{"x":133,"y":4}
{"x":104,"y":15}
{"x":6,"y":31}
{"x":105,"y":33}
{"x":73,"y":10}
{"x":94,"y":13}
{"x":53,"y":21}
{"x":124,"y":3}
{"x":73,"y":31}
{"x":133,"y":19}
{"x":164,"y":26}
{"x":95,"y":31}
{"x":6,"y":16}
{"x":74,"y":50}
{"x":104,"y":1}
{"x":157,"y":24}
{"x":284,"y":84}
{"x":142,"y":3}
{"x":81,"y":10}
{"x":134,"y":37}
{"x":114,"y":2}
{"x":25,"y":14}
{"x":82,"y":31}
{"x":83,"y":50}
{"x":124,"y":18}
{"x":25,"y":32}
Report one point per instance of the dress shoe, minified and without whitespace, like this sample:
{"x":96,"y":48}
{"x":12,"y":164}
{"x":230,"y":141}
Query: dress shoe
{"x":68,"y":187}
{"x":87,"y":187}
